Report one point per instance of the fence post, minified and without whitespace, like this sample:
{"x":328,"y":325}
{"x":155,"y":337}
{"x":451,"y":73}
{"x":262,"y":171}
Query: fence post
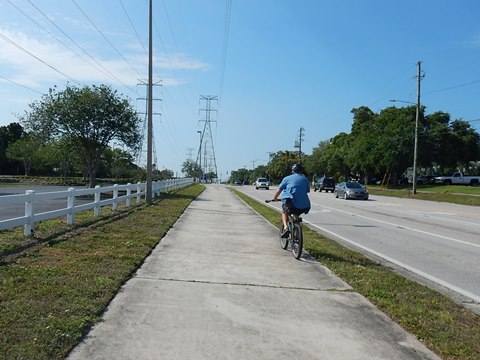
{"x":115,"y":196}
{"x":30,"y":213}
{"x":96,"y":209}
{"x":138,"y":192}
{"x":70,"y":206}
{"x":129,"y":192}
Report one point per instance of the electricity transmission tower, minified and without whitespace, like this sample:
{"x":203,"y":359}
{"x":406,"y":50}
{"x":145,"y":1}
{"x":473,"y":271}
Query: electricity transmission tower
{"x":141,"y":157}
{"x":206,"y":151}
{"x":298,"y":143}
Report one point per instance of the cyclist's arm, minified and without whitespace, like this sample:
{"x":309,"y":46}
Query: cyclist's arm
{"x":277,"y":194}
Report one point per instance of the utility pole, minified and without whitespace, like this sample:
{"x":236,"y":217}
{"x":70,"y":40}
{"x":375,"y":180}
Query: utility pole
{"x":199,"y":157}
{"x":298,"y":143}
{"x":417,"y":115}
{"x":206,"y":135}
{"x":141,"y":159}
{"x":150,"y":122}
{"x":270,"y":155}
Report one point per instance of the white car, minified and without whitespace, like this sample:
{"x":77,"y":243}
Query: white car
{"x":262,"y":183}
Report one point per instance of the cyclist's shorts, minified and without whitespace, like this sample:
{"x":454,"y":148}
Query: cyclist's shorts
{"x":288,"y":208}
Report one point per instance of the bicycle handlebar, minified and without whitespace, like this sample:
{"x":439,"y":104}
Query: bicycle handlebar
{"x":272,"y":200}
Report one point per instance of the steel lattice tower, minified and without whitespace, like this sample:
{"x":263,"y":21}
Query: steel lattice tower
{"x":206,"y":151}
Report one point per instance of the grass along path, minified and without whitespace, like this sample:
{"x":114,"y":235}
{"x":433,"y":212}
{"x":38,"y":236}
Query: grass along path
{"x":455,"y":194}
{"x":445,"y":327}
{"x":52,"y":294}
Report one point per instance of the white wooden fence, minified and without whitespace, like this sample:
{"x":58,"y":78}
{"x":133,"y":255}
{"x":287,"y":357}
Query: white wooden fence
{"x":30,"y":198}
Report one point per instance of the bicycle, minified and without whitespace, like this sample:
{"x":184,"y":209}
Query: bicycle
{"x":295,"y":238}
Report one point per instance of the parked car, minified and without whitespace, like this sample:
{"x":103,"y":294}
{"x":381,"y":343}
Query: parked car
{"x":351,"y":190}
{"x":262,"y":183}
{"x":425,"y":180}
{"x":458,"y":178}
{"x":324,"y":183}
{"x":238,"y":182}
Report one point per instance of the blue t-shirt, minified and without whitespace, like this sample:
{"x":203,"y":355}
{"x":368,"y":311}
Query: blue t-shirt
{"x":296,"y":187}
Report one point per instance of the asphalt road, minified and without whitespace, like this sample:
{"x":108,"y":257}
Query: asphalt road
{"x":432,"y":242}
{"x":16,"y":210}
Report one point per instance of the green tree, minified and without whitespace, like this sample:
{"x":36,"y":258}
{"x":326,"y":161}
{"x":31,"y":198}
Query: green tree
{"x":396,"y":143}
{"x":89,"y":117}
{"x":164,"y":174}
{"x":8,"y":135}
{"x":334,"y":157}
{"x":281,"y":165}
{"x":190,"y":168}
{"x":363,"y":144}
{"x":241,"y":174}
{"x":259,"y":171}
{"x":58,"y":158}
{"x":314,"y":163}
{"x":436,"y":149}
{"x":465,"y":144}
{"x":118,"y":164}
{"x":25,"y":150}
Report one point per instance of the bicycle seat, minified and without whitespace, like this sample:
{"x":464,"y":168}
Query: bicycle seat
{"x":296,"y":217}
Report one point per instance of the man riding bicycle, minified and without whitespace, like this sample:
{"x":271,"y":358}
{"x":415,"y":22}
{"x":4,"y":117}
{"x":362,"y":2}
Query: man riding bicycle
{"x":294,"y":191}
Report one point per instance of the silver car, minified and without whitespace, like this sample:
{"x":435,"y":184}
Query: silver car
{"x":351,"y":190}
{"x":262,"y":183}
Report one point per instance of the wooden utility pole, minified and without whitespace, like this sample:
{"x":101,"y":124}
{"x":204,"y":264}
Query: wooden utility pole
{"x":417,"y":115}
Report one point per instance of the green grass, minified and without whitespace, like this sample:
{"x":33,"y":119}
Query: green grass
{"x":456,"y":194}
{"x":445,"y":327}
{"x":56,"y":289}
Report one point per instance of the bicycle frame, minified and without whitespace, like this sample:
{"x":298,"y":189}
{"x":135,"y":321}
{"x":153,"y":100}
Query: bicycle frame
{"x":295,"y":237}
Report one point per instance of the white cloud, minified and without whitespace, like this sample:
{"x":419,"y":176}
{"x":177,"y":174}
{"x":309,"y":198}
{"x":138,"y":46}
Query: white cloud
{"x":45,"y":61}
{"x":473,"y":42}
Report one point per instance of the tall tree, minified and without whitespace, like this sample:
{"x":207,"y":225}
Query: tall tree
{"x":316,"y":167}
{"x":334,"y":157}
{"x":8,"y":135}
{"x":25,"y":150}
{"x":466,"y":143}
{"x":363,"y":145}
{"x":89,"y":117}
{"x":281,"y":165}
{"x":191,"y":169}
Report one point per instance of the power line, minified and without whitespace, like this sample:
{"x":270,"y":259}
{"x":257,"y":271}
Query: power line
{"x":228,"y":12}
{"x":108,"y":73}
{"x":172,"y":68}
{"x":51,"y":34}
{"x":453,"y":87}
{"x":37,"y":58}
{"x":106,"y":39}
{"x":26,"y":87}
{"x":133,"y":26}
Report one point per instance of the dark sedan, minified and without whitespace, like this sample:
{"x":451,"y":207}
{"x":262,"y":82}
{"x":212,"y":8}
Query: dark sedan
{"x":351,"y":190}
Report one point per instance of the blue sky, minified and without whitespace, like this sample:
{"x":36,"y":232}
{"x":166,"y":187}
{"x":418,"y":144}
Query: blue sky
{"x":275,"y":65}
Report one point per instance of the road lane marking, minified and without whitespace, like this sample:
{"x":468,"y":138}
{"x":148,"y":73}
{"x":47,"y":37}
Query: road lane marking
{"x":407,"y":228}
{"x":432,"y":278}
{"x":412,"y":269}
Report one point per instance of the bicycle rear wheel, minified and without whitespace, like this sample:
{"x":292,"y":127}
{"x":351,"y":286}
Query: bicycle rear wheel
{"x":297,"y":241}
{"x":283,"y":241}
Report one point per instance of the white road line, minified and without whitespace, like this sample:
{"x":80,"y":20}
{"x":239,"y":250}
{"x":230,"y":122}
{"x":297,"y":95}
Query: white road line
{"x":406,"y":227}
{"x":401,"y":264}
{"x":432,"y":278}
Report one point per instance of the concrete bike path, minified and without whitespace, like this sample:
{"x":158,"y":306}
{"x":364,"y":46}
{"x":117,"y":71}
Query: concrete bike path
{"x":218,"y":286}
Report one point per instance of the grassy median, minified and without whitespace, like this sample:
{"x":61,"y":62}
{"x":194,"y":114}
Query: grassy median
{"x":445,"y":327}
{"x":455,"y":194}
{"x":53,"y":290}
